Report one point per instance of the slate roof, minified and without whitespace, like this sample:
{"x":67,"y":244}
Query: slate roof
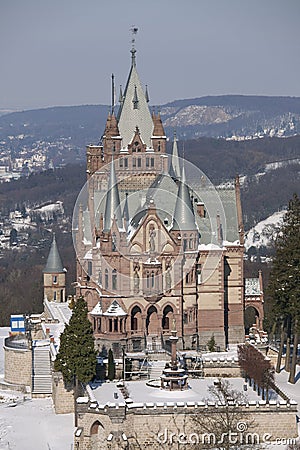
{"x":164,"y":191}
{"x":54,"y":263}
{"x":134,"y":111}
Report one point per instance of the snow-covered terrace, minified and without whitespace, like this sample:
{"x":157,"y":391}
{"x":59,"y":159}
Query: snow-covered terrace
{"x":110,"y":394}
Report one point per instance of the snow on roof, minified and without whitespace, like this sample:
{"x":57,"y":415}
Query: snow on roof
{"x":115,"y":310}
{"x":97,"y":310}
{"x":59,"y":311}
{"x":88,"y":255}
{"x":252,"y":286}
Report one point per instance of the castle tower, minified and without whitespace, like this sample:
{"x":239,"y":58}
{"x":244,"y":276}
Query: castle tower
{"x":54,"y":276}
{"x":140,"y":260}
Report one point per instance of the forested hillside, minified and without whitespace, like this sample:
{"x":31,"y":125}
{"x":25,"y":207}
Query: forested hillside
{"x":266,"y":187}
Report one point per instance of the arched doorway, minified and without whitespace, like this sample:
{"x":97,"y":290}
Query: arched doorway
{"x":136,"y":319}
{"x":97,"y":435}
{"x":251,"y":318}
{"x":152,"y":321}
{"x":167,"y":318}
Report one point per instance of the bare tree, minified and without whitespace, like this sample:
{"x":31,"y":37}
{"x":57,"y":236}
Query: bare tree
{"x":224,"y":427}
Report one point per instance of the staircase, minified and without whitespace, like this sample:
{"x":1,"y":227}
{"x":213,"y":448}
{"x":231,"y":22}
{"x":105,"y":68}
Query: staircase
{"x":153,"y":344}
{"x":41,"y":368}
{"x":156,"y":368}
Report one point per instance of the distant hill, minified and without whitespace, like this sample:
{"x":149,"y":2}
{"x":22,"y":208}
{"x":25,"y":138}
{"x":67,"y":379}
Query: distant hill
{"x":215,"y":116}
{"x":231,"y":116}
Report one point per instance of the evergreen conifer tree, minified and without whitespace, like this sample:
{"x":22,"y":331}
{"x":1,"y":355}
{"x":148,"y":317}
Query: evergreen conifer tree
{"x":111,"y":366}
{"x":76,"y":359}
{"x":284,"y":284}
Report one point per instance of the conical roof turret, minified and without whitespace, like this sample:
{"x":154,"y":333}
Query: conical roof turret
{"x":112,"y":205}
{"x":184,"y":218}
{"x":174,"y":166}
{"x":54,"y":263}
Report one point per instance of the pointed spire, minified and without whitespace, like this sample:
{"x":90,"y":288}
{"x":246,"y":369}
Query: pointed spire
{"x":174,"y":166}
{"x":134,"y":31}
{"x":112,"y":205}
{"x":184,"y":218}
{"x":133,"y":58}
{"x":54,"y":263}
{"x":125,"y":214}
{"x":131,"y":113}
{"x":121,"y":98}
{"x":135,"y":99}
{"x":147,"y":94}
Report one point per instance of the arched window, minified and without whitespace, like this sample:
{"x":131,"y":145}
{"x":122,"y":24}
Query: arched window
{"x":113,"y":242}
{"x":191,"y":242}
{"x":100,"y":277}
{"x":152,"y":320}
{"x":114,"y":279}
{"x":152,"y":279}
{"x":167,"y":317}
{"x":95,"y":427}
{"x":136,"y":319}
{"x":90,"y":268}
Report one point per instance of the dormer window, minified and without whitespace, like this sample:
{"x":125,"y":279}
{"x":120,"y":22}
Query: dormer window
{"x":135,"y":99}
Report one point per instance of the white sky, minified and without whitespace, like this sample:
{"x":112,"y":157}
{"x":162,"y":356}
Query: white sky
{"x":62,"y":52}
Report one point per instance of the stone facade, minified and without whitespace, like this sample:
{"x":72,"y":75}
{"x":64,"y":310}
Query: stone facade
{"x":63,"y":397}
{"x":54,"y":287}
{"x":137,"y":230}
{"x":18,"y":365}
{"x":156,"y":425}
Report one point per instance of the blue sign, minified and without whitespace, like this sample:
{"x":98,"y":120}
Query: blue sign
{"x":17,"y":323}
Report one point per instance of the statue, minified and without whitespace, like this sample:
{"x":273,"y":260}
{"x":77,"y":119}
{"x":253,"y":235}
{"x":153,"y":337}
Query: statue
{"x":152,"y":240}
{"x":168,"y":279}
{"x":174,"y":324}
{"x":136,"y":280}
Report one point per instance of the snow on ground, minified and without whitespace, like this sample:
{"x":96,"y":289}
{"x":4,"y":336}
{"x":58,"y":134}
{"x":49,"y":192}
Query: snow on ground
{"x":31,"y":424}
{"x":264,"y":233}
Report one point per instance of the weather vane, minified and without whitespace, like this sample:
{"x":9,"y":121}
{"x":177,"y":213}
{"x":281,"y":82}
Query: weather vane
{"x":134,"y":31}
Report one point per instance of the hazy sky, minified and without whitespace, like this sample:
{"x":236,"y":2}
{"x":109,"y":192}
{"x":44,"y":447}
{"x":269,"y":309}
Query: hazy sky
{"x":62,"y":52}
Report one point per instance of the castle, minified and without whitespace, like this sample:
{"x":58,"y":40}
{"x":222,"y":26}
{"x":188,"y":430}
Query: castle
{"x":156,"y":242}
